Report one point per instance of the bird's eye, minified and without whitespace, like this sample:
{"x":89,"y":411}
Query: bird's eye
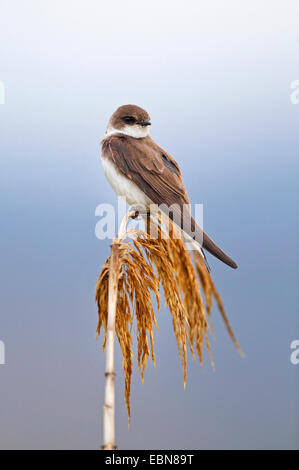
{"x":129,"y":119}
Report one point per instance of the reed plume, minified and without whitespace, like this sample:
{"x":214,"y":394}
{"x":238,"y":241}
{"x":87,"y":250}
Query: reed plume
{"x":145,"y":264}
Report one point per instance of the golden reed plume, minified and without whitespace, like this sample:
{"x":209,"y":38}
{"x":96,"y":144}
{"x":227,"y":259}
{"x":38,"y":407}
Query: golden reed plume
{"x":144,"y":264}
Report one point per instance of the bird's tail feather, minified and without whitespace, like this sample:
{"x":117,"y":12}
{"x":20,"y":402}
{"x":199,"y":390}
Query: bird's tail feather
{"x":196,"y":233}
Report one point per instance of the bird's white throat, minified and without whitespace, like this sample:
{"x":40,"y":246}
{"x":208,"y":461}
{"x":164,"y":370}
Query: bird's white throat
{"x":136,"y":131}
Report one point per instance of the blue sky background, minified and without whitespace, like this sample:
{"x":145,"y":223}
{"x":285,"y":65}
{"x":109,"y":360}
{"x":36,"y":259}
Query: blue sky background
{"x":216,"y":79}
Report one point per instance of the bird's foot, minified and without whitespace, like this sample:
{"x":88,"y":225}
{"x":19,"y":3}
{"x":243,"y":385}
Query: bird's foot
{"x":138,"y":210}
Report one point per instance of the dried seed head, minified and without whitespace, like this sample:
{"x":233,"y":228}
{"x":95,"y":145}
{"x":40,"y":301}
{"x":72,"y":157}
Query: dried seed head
{"x":146,"y":264}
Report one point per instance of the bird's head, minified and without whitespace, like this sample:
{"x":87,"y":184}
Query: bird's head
{"x":130,"y":120}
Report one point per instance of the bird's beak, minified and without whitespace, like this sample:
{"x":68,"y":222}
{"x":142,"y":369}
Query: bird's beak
{"x":144,"y":123}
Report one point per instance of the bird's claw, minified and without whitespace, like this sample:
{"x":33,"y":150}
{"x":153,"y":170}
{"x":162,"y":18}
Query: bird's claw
{"x":138,"y":210}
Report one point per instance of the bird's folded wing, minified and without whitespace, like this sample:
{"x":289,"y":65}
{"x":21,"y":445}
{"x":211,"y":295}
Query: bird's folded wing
{"x":141,"y":161}
{"x":158,"y":175}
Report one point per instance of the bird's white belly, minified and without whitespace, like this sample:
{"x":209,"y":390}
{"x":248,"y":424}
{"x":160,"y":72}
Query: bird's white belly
{"x":123,"y":186}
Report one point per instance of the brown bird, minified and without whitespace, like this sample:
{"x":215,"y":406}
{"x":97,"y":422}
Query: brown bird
{"x":144,"y":174}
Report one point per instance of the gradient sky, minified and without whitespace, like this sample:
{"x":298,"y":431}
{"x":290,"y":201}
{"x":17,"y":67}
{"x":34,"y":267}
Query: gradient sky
{"x":216,"y":79}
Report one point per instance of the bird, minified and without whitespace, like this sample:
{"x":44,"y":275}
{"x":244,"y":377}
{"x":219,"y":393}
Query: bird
{"x":140,"y":171}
